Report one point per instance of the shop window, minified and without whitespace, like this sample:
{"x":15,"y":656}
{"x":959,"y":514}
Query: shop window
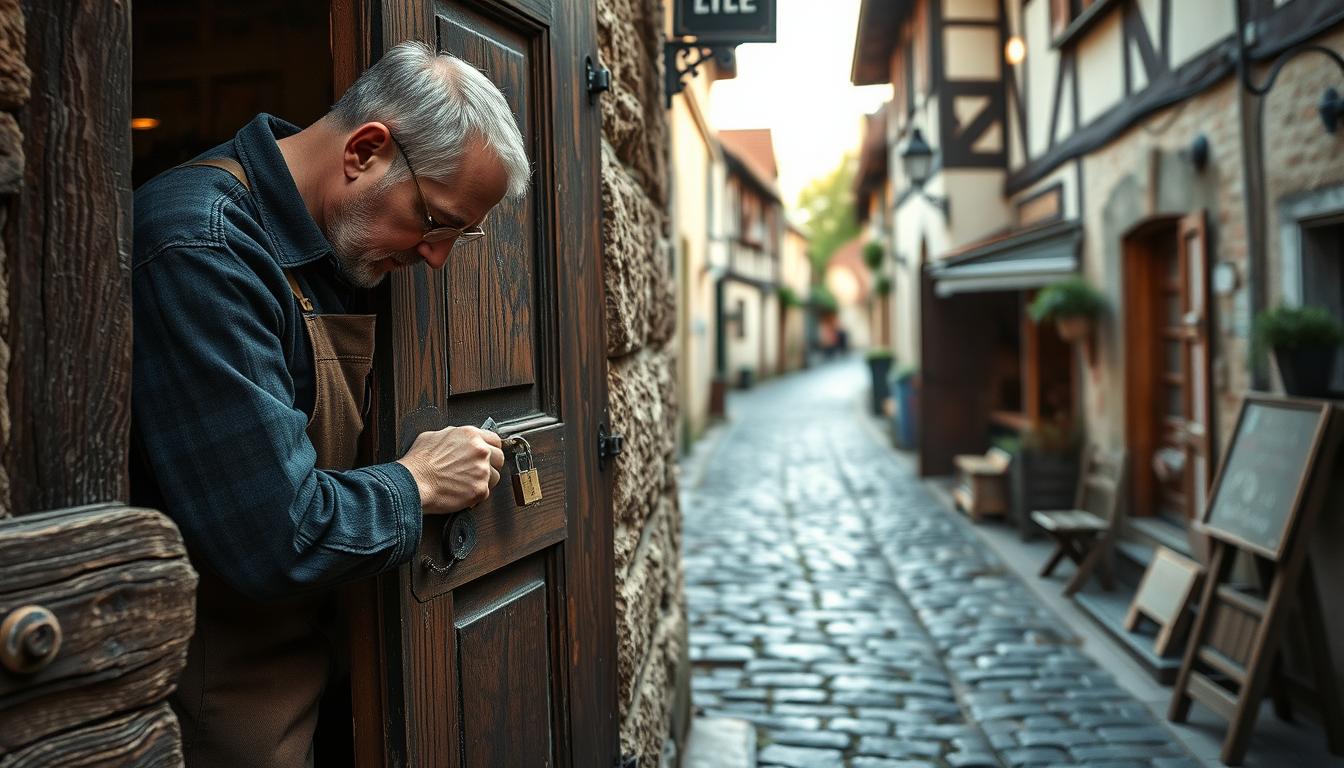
{"x":1323,"y":275}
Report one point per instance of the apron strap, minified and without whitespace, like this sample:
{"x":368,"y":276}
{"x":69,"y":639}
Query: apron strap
{"x":233,"y":167}
{"x":298,"y":292}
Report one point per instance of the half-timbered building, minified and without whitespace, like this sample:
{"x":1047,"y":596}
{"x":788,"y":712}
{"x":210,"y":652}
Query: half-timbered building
{"x":749,"y":328}
{"x":1178,"y":155}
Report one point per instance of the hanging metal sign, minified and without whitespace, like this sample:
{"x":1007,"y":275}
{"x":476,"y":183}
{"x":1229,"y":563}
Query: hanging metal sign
{"x":713,"y":22}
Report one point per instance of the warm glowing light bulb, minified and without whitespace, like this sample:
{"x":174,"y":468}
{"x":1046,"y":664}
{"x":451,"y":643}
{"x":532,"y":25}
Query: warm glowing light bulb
{"x":1015,"y":51}
{"x":144,"y":123}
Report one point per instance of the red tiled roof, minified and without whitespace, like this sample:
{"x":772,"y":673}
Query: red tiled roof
{"x":850,"y":256}
{"x":756,"y":148}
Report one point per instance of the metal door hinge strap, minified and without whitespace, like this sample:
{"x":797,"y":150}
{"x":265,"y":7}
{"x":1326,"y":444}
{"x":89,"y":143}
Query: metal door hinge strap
{"x":599,"y":78}
{"x":609,"y":445}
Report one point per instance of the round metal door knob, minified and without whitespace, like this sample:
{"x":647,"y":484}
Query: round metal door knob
{"x":30,"y":639}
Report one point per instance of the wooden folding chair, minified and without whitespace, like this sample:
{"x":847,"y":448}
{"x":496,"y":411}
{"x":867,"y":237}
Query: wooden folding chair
{"x":1086,"y":534}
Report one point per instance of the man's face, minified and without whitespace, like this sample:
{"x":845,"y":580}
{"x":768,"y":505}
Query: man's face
{"x":380,"y":224}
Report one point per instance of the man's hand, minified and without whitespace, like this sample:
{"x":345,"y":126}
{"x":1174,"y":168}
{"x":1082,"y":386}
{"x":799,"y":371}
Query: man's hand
{"x":454,"y":468}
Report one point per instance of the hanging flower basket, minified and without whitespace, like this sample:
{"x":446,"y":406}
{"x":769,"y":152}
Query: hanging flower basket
{"x":1073,"y":328}
{"x":1072,"y":304}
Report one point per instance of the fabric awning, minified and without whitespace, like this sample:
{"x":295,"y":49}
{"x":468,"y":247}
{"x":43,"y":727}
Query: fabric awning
{"x":1019,"y":259}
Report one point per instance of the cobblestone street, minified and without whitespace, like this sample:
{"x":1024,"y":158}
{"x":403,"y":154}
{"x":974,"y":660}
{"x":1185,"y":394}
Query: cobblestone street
{"x":856,"y":622}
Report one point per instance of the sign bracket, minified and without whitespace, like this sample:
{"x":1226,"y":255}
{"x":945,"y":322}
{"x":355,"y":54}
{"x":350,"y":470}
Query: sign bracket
{"x":678,"y":52}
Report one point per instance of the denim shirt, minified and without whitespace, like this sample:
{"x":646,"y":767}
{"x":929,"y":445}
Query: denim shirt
{"x":222,"y":382}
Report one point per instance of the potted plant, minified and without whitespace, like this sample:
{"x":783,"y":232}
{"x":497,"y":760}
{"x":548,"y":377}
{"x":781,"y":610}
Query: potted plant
{"x":880,"y":361}
{"x":822,"y":300}
{"x":1072,"y":304}
{"x":1304,"y":341}
{"x":873,"y":256}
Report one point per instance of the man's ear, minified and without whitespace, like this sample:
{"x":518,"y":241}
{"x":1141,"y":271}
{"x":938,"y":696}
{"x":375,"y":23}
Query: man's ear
{"x":366,"y":148}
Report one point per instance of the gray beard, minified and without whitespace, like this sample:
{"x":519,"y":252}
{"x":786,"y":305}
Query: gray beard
{"x":348,"y":236}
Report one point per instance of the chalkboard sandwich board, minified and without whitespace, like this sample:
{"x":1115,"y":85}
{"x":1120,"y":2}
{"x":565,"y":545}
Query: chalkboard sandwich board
{"x":1271,"y":487}
{"x":1259,"y":489}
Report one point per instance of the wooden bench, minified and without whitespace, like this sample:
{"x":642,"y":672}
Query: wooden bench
{"x":1086,"y":534}
{"x":982,"y":488}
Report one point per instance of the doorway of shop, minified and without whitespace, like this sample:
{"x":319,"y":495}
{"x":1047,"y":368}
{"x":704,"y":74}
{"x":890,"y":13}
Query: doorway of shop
{"x":1168,"y":389}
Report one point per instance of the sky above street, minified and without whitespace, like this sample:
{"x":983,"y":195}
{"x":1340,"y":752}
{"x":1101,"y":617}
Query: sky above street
{"x":799,"y":88}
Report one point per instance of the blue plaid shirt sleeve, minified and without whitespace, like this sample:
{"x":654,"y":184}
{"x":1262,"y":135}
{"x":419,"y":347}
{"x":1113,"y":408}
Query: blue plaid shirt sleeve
{"x":214,"y":408}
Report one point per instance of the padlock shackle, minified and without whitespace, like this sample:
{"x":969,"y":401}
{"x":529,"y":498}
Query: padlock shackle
{"x":519,"y":453}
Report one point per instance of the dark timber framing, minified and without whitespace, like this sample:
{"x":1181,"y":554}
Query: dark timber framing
{"x":1277,"y":30}
{"x":958,"y":140}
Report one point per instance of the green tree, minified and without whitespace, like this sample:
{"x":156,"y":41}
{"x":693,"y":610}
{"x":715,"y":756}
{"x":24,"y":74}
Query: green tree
{"x":828,"y":205}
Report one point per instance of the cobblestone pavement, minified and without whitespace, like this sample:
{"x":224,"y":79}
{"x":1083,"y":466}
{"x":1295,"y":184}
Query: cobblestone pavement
{"x":856,"y":622}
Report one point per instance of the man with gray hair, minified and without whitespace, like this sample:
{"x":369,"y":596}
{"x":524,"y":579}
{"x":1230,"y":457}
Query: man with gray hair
{"x":252,"y":368}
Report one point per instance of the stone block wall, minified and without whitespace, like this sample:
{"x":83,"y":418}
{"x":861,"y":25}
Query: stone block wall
{"x":1300,"y":156}
{"x":641,"y":321}
{"x":15,"y":81}
{"x":1147,"y":172}
{"x":1123,"y":187}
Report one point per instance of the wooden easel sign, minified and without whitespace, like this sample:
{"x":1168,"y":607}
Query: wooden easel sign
{"x":1269,"y":490}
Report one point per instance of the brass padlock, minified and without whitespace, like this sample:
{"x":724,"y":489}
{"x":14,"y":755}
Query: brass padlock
{"x":526,"y":481}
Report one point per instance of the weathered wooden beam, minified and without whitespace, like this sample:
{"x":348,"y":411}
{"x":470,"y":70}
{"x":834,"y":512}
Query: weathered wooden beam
{"x":119,"y":585}
{"x":147,"y":738}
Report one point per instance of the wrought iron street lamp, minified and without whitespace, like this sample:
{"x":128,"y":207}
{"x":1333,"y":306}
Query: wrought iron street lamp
{"x":917,"y":161}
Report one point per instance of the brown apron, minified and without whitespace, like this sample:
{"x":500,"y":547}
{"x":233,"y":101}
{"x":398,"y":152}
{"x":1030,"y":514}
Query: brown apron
{"x":256,"y":671}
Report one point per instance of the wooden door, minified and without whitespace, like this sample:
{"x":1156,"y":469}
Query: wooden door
{"x":1169,"y":388}
{"x":508,"y":657}
{"x":1196,"y":439}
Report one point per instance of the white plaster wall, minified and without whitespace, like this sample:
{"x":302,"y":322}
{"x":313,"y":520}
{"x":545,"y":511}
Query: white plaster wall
{"x":971,"y":9}
{"x":1041,"y":63}
{"x":978,"y":207}
{"x":1101,"y":67}
{"x":744,"y":351}
{"x":1196,"y":25}
{"x":971,"y":53}
{"x":692,"y":155}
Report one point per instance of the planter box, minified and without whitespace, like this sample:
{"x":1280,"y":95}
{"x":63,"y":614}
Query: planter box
{"x":1041,"y":481}
{"x":1306,"y":371}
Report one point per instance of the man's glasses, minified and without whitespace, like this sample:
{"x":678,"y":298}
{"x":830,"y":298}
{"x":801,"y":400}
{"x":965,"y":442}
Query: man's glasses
{"x":434,"y":231}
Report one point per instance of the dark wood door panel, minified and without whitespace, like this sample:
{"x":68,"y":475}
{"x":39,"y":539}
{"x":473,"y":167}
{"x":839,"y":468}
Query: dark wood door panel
{"x":482,"y":663}
{"x":490,"y":283}
{"x":503,"y":642}
{"x":506,"y":532}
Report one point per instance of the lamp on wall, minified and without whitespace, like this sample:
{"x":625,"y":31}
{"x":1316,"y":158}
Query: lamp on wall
{"x":1332,"y":108}
{"x":917,"y":161}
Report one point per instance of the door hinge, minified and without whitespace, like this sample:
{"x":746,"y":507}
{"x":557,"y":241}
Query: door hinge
{"x":609,"y":445}
{"x":599,"y":78}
